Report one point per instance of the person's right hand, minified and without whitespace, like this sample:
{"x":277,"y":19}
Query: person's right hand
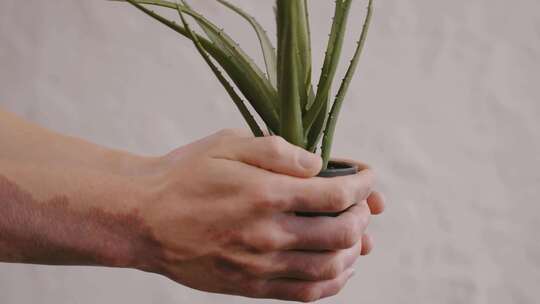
{"x":221,"y":214}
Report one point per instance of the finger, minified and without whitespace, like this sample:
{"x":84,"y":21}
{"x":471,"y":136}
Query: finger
{"x":366,"y":245}
{"x":314,"y":266}
{"x":327,"y":194}
{"x":273,"y":153}
{"x":305,"y":291}
{"x":326,"y":233}
{"x":376,"y":202}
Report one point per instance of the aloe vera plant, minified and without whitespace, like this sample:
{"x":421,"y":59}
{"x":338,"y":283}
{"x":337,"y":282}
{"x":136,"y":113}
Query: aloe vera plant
{"x":283,"y":95}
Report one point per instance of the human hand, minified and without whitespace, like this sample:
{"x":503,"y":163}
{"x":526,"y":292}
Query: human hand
{"x":222,"y":214}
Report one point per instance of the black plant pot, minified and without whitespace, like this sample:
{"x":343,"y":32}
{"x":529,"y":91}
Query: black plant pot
{"x":334,"y":169}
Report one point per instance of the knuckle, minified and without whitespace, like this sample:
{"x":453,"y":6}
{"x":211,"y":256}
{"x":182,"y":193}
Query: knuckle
{"x":240,"y":270}
{"x":335,"y":290}
{"x":349,"y":235}
{"x":256,"y":270}
{"x":276,"y":146}
{"x":220,"y":142}
{"x":322,"y":271}
{"x":311,"y":270}
{"x":255,"y":288}
{"x":371,"y":176}
{"x":264,"y":198}
{"x":338,"y":199}
{"x":367,"y":180}
{"x":222,"y":138}
{"x":363,"y":222}
{"x":260,"y":195}
{"x":230,"y":267}
{"x":267,"y":243}
{"x":362,"y":217}
{"x":306,"y":294}
{"x":332,"y":270}
{"x":228,"y":132}
{"x":236,"y":237}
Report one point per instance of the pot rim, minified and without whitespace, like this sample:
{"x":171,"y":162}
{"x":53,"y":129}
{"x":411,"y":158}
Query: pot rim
{"x":343,"y":168}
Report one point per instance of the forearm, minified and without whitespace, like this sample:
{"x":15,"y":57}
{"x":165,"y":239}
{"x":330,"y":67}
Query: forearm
{"x":22,"y":141}
{"x":206,"y":215}
{"x":66,"y":201}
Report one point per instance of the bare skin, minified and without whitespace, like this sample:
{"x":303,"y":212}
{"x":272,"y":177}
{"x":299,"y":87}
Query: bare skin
{"x":216,"y":215}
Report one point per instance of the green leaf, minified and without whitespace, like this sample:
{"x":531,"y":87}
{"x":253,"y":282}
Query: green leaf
{"x":290,"y":71}
{"x":268,"y":93}
{"x":336,"y":107}
{"x":216,"y":35}
{"x":162,"y":3}
{"x":331,"y":62}
{"x":259,"y":91}
{"x":289,"y":13}
{"x":222,"y":39}
{"x":314,"y":135}
{"x":249,"y":79}
{"x":268,"y":49}
{"x":228,"y":87}
{"x":304,"y":53}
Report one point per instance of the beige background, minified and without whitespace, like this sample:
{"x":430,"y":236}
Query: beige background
{"x":445,"y":107}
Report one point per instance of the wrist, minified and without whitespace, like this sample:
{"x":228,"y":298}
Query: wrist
{"x":133,"y":240}
{"x":124,"y":163}
{"x":117,"y":231}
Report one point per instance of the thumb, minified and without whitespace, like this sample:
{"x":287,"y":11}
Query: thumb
{"x":275,"y":154}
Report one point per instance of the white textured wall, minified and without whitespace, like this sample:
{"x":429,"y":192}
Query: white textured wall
{"x":446,"y":108}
